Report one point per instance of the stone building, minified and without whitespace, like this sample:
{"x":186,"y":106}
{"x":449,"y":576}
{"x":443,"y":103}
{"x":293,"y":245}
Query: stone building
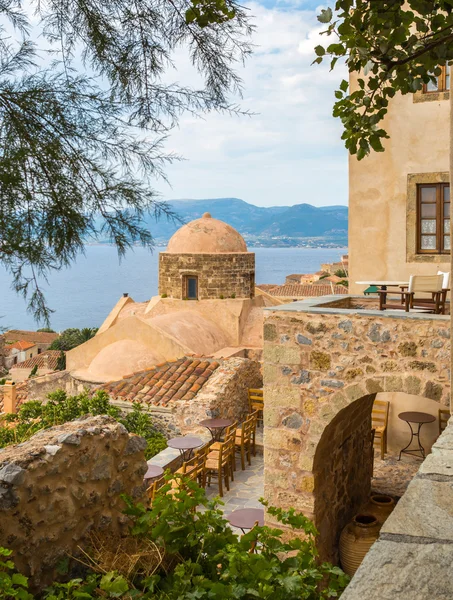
{"x":208,"y":305}
{"x":207,"y":259}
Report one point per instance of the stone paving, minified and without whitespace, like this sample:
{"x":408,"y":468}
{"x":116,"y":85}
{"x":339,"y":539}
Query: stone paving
{"x":392,"y":476}
{"x":245,"y":490}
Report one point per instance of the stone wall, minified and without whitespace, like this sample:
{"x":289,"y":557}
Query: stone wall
{"x":318,"y":361}
{"x":40,"y":387}
{"x":412,"y":558}
{"x":62,"y":483}
{"x":218,"y":274}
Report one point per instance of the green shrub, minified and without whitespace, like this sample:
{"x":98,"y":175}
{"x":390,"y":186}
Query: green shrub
{"x":33,"y":371}
{"x":197,"y":555}
{"x":164,"y":295}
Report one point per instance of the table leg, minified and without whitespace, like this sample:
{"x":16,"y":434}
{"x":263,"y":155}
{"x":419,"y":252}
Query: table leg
{"x":414,"y":435}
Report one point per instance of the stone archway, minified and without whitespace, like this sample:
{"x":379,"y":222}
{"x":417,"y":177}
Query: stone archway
{"x":317,"y":364}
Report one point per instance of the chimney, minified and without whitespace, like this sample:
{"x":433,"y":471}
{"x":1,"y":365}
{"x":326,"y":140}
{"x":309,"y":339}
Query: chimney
{"x":9,"y":397}
{"x":125,"y":295}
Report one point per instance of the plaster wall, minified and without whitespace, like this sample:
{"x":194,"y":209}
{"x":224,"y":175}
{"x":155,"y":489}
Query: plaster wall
{"x":23,"y":374}
{"x":381,"y":220}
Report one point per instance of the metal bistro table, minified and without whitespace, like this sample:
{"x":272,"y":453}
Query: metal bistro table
{"x":245,"y":518}
{"x":153,"y":472}
{"x":186,"y":443}
{"x":216,"y":426}
{"x":418,"y":418}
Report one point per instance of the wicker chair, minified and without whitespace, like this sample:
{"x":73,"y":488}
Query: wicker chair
{"x":380,"y":417}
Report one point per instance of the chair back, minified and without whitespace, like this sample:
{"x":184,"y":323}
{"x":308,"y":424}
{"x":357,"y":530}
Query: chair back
{"x":444,"y":415}
{"x":425,"y":283}
{"x":445,"y":280}
{"x":256,"y":399}
{"x":380,"y":414}
{"x":154,"y":487}
{"x":231,"y":428}
{"x":226,"y":451}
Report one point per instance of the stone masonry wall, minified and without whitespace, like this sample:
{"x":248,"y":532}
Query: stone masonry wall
{"x":60,"y":484}
{"x":224,"y":396}
{"x":412,"y":558}
{"x":317,"y":364}
{"x":218,"y":274}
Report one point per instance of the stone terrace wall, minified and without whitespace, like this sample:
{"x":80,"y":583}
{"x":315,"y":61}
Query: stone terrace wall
{"x":60,"y":484}
{"x":225,"y":395}
{"x":315,"y":364}
{"x":412,"y":558}
{"x":218,"y":274}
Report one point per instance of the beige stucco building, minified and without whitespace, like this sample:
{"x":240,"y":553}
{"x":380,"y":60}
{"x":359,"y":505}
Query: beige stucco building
{"x":208,"y":305}
{"x":398,"y":205}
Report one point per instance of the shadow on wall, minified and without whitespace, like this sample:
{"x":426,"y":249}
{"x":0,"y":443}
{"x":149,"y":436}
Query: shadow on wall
{"x":398,"y":430}
{"x":342,"y":470}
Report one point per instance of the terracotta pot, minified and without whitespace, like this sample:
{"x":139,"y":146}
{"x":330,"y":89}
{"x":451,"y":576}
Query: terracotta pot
{"x":356,"y":539}
{"x":380,"y":505}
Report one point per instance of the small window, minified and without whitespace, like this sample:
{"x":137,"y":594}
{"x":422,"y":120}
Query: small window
{"x":442,"y":85}
{"x":39,"y":350}
{"x":433,"y":218}
{"x":192,"y":288}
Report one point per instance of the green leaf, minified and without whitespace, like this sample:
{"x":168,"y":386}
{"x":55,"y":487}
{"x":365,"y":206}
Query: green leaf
{"x":18,"y":579}
{"x":320,"y":51}
{"x":325,"y":16}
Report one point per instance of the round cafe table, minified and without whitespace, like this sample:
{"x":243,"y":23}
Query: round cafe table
{"x":153,"y":472}
{"x":245,"y":518}
{"x":185,"y":443}
{"x":216,"y":426}
{"x":419,"y":419}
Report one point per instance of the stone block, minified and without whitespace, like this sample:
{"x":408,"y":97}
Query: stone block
{"x":269,"y":332}
{"x":293,"y":421}
{"x":412,"y":385}
{"x":374,"y":386}
{"x":439,"y":463}
{"x":303,"y":340}
{"x":433,"y":391}
{"x":289,"y":355}
{"x":403,"y":571}
{"x":282,"y":396}
{"x":354,"y":392}
{"x":393,"y":384}
{"x":421,"y":365}
{"x":351,"y":374}
{"x":408,"y":349}
{"x":412,"y":516}
{"x":320,"y":361}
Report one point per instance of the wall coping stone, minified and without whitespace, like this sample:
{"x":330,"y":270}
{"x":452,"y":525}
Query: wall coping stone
{"x":413,"y":556}
{"x":315,"y":306}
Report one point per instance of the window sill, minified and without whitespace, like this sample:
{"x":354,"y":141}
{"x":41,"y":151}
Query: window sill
{"x":429,"y":258}
{"x":430,"y":96}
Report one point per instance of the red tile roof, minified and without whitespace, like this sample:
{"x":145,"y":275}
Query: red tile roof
{"x":266,"y":287}
{"x":178,"y":380}
{"x":307,"y":290}
{"x":20,"y":345}
{"x":48,"y":359}
{"x":38,"y":337}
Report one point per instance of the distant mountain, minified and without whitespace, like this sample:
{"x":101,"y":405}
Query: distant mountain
{"x":298,"y":221}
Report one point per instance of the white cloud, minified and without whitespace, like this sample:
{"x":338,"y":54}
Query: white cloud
{"x":291,"y":150}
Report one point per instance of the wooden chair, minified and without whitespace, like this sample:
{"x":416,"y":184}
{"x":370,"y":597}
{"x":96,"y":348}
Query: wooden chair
{"x":444,"y":415}
{"x":153,"y":488}
{"x":256,"y":402}
{"x":418,"y":284}
{"x":219,"y":464}
{"x":230,"y":435}
{"x":379,"y":418}
{"x":243,"y":441}
{"x":228,"y":431}
{"x":254,"y":416}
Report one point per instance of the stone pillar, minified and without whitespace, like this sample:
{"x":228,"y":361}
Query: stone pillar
{"x":9,"y":397}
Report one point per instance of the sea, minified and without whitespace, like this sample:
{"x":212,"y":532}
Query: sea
{"x":83,"y":294}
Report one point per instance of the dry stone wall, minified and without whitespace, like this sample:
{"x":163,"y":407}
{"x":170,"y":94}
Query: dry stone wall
{"x":218,"y":275}
{"x":316,"y":364}
{"x":62,"y":483}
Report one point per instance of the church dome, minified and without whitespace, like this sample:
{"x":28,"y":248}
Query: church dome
{"x":206,"y":236}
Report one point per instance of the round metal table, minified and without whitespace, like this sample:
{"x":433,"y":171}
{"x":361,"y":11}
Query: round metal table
{"x":419,"y":419}
{"x":185,"y":443}
{"x":245,"y":518}
{"x":153,"y":472}
{"x":216,"y":426}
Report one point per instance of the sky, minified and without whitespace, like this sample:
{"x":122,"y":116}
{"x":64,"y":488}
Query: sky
{"x":289,"y":152}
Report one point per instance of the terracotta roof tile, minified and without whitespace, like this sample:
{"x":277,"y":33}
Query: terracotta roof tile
{"x":48,"y":359}
{"x":37,"y":337}
{"x":307,"y":290}
{"x":164,"y":383}
{"x":20,"y":345}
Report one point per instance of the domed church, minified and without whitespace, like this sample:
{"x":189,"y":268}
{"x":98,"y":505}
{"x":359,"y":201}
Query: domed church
{"x":207,"y":259}
{"x":207,"y":305}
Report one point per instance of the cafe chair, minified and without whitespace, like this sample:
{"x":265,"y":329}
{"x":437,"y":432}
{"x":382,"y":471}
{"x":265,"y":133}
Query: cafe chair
{"x":231,"y":435}
{"x":256,"y":402}
{"x":444,"y":415}
{"x":244,"y":440}
{"x":379,"y":419}
{"x":219,"y":464}
{"x":153,"y":489}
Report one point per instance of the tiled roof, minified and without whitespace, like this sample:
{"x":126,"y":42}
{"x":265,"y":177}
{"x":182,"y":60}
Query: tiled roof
{"x":178,"y":380}
{"x":20,"y":345}
{"x":47,"y":359}
{"x":307,"y":290}
{"x":267,"y":286}
{"x":38,"y":337}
